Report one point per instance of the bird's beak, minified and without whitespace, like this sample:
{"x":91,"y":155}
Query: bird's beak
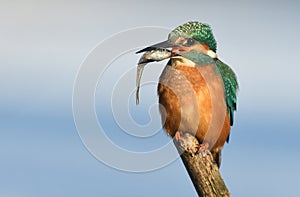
{"x":162,"y":45}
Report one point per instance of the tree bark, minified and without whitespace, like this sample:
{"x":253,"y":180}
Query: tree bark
{"x":201,"y":168}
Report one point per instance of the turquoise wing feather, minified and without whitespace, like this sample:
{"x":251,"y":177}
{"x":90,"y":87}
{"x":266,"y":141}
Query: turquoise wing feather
{"x":231,"y":87}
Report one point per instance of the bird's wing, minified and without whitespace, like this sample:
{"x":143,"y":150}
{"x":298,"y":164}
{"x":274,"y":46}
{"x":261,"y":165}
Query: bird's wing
{"x":231,"y":87}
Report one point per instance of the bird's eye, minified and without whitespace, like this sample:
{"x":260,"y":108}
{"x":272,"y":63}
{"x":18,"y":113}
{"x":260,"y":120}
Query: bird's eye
{"x":190,"y":42}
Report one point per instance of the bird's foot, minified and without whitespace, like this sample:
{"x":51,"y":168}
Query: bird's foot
{"x":203,"y":148}
{"x":178,"y":135}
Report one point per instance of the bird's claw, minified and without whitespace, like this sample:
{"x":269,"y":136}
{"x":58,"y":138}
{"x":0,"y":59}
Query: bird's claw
{"x":178,"y":135}
{"x":203,"y":148}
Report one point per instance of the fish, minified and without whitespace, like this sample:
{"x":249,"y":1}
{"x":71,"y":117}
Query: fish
{"x":155,"y":55}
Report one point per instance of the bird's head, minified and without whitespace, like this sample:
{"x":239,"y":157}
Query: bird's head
{"x":189,"y":40}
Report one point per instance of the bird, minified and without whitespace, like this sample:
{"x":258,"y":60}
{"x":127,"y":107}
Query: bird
{"x":197,"y":91}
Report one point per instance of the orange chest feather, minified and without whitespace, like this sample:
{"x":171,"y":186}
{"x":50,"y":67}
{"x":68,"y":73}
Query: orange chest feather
{"x":192,"y":100}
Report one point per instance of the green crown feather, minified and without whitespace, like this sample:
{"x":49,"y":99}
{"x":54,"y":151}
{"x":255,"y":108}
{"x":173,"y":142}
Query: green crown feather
{"x":199,"y":31}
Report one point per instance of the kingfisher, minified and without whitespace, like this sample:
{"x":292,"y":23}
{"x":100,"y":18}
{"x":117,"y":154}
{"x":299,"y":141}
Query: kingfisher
{"x":197,"y":91}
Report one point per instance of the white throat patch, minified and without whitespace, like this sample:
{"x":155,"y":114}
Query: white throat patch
{"x":179,"y":60}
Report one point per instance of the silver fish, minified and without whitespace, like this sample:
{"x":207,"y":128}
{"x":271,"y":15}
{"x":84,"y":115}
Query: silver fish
{"x":149,"y":56}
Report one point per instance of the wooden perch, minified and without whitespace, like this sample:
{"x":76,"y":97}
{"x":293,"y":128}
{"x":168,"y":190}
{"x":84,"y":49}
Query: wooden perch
{"x":201,"y":168}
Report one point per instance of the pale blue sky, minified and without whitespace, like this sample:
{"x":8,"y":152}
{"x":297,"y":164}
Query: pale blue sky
{"x":43,"y":45}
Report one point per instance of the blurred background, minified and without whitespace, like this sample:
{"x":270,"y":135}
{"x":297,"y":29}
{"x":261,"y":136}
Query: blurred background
{"x":43,"y":45}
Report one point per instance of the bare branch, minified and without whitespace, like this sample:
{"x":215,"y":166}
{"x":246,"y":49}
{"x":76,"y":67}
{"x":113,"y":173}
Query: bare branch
{"x":201,"y":168}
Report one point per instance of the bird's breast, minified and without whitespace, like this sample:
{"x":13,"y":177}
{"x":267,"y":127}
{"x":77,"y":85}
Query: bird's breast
{"x":192,"y":100}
